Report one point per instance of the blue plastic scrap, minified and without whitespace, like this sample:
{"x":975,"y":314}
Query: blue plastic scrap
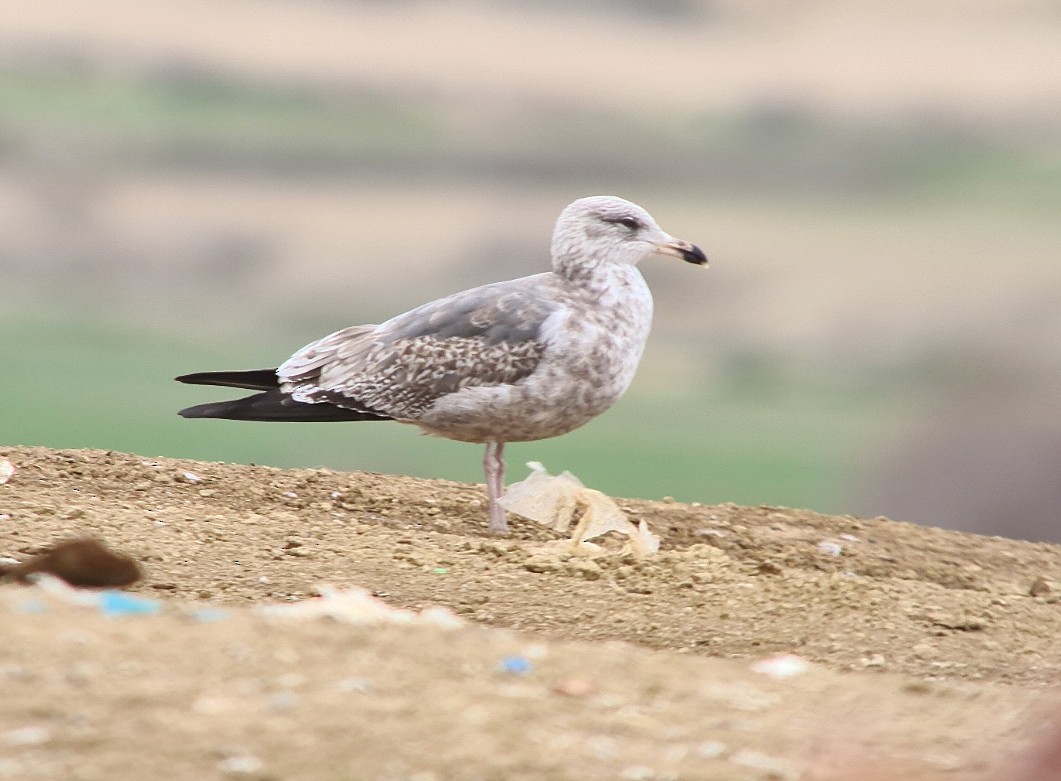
{"x":515,"y":665}
{"x":118,"y":603}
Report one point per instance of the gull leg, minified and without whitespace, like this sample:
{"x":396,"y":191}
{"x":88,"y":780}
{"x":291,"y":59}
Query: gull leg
{"x":494,"y":469}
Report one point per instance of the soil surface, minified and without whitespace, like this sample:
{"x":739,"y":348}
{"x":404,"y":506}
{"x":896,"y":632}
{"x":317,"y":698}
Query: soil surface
{"x":932,"y":654}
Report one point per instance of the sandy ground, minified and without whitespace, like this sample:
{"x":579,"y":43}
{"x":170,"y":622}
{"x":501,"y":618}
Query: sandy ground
{"x":932,"y":654}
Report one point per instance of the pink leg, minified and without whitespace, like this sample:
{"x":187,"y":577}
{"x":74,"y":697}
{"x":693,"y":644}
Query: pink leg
{"x":494,"y":469}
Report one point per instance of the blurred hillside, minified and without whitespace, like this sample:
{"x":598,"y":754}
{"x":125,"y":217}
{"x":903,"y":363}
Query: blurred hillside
{"x":212,"y":183}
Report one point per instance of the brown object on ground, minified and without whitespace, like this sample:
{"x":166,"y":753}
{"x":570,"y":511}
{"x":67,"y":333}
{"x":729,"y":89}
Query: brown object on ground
{"x":84,"y":561}
{"x":931,"y":658}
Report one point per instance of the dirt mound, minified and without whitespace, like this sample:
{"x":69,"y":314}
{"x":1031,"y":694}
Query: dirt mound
{"x":212,"y":686}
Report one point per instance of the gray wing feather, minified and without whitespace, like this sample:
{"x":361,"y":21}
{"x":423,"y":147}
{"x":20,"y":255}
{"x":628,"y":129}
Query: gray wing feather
{"x":497,"y":313}
{"x":491,"y":335}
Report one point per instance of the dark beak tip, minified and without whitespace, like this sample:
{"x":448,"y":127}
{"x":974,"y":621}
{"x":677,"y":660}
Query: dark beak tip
{"x":695,"y":255}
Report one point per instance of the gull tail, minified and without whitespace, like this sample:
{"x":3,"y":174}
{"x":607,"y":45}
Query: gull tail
{"x":270,"y":405}
{"x":274,"y":405}
{"x":256,"y":379}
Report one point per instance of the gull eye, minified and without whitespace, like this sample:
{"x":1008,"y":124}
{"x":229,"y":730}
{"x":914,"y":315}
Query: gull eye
{"x":627,"y":222}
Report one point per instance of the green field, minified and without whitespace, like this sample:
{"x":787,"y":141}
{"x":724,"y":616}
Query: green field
{"x":84,"y":385}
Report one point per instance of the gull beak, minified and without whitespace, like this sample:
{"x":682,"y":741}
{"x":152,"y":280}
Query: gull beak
{"x":690,"y":253}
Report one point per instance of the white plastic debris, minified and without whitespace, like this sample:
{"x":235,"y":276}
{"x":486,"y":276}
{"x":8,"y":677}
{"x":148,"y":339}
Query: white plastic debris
{"x":62,"y":591}
{"x":830,"y":548}
{"x":7,"y":470}
{"x":646,"y":540}
{"x":547,"y":499}
{"x":110,"y":602}
{"x":191,"y":477}
{"x":358,"y":606}
{"x":781,"y":666}
{"x":553,"y":500}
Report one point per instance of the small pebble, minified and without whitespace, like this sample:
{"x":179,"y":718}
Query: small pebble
{"x":711,"y":749}
{"x":282,"y":700}
{"x":755,"y":759}
{"x":27,"y":736}
{"x":291,"y":680}
{"x":574,"y":687}
{"x":355,"y":685}
{"x":424,"y":775}
{"x":536,"y":651}
{"x":603,"y":747}
{"x":1039,"y":587}
{"x":209,"y":615}
{"x":239,"y":765}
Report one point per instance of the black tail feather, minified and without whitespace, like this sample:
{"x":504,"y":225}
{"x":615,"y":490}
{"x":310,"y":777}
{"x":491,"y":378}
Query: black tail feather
{"x":256,"y":379}
{"x":273,"y":405}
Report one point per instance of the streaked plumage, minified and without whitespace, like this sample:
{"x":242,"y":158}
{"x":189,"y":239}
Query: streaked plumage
{"x":526,"y":359}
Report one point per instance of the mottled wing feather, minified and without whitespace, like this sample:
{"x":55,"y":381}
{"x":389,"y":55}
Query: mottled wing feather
{"x":486,"y":336}
{"x":306,"y":365}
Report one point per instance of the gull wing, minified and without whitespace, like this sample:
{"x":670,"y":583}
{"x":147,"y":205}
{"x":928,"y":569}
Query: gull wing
{"x":490,"y":335}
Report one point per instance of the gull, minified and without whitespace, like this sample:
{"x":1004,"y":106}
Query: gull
{"x":515,"y":361}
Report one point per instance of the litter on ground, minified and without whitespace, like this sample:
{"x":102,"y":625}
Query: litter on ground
{"x":554,"y":501}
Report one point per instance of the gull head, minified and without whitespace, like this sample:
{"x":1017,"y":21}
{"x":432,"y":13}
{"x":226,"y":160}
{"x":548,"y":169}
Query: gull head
{"x":607,"y":229}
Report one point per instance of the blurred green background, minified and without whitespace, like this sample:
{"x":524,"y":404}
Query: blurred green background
{"x":210,"y":184}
